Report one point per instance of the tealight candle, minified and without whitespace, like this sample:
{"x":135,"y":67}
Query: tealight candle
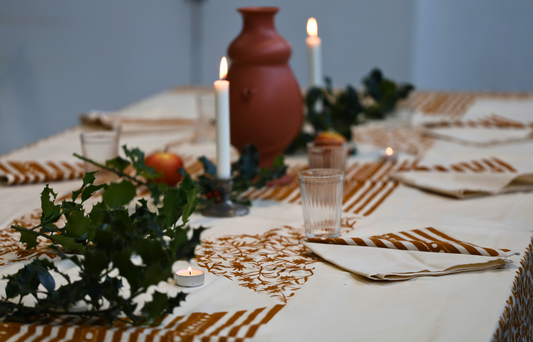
{"x":190,"y":277}
{"x":388,"y":155}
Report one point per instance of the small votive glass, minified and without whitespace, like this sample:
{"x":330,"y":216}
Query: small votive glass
{"x":99,"y":146}
{"x":321,"y":191}
{"x":327,"y":156}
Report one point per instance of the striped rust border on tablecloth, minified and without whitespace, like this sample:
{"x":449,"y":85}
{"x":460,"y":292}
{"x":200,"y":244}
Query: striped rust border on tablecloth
{"x":421,"y":240}
{"x":456,"y":104}
{"x":367,"y":184}
{"x":24,"y":172}
{"x":219,"y":326}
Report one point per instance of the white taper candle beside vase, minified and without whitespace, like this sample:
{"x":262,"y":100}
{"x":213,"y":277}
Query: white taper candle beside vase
{"x":314,"y":54}
{"x":222,"y":119}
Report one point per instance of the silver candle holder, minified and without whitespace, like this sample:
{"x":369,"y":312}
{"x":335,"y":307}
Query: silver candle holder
{"x":225,"y":208}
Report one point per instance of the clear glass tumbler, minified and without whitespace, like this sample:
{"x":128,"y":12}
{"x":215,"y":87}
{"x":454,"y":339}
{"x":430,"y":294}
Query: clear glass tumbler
{"x":327,"y":157}
{"x":205,"y":126}
{"x":321,"y":191}
{"x":99,"y":146}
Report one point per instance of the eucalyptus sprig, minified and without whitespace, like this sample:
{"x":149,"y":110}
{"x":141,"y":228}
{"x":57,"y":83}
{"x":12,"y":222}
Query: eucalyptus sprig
{"x":111,"y":244}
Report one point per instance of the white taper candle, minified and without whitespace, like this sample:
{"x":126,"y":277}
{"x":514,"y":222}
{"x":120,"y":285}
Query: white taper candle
{"x":314,"y":54}
{"x":222,"y":119}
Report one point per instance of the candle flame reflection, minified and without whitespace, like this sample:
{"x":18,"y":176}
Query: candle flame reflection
{"x":223,"y":68}
{"x":190,"y":270}
{"x":389,"y":151}
{"x":312,"y":27}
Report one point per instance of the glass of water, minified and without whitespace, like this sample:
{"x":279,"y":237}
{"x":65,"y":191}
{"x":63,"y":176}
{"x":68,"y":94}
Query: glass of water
{"x":99,"y":146}
{"x":321,"y":191}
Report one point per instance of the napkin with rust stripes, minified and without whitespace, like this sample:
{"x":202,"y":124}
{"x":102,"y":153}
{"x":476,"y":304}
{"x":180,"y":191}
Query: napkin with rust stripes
{"x":25,"y":172}
{"x":408,"y":254}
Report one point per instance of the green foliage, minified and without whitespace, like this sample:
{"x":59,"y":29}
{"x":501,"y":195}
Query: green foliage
{"x":142,"y":245}
{"x":246,"y":173}
{"x":339,"y":111}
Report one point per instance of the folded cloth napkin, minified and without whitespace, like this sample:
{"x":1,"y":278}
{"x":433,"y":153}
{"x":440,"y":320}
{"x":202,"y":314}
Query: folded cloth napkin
{"x":407,"y":254}
{"x":168,"y":110}
{"x":134,"y":124}
{"x":24,"y":172}
{"x":464,"y":185}
{"x":478,"y":133}
{"x":486,"y":123}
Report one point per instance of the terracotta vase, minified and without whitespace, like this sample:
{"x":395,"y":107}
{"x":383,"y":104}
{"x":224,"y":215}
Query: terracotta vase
{"x":265,"y":99}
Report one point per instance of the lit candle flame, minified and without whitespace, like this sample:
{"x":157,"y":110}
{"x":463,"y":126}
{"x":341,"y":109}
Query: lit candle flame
{"x":389,"y":151}
{"x":190,"y":270}
{"x":312,"y":27}
{"x":223,"y":68}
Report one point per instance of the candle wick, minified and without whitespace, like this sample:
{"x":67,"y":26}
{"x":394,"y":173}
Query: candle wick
{"x":190,"y":272}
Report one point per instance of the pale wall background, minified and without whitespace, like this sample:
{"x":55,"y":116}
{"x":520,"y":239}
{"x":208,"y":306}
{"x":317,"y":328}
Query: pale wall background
{"x":60,"y":58}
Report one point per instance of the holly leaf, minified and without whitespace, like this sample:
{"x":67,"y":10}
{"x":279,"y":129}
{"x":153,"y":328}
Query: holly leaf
{"x":51,"y":212}
{"x":77,"y":224}
{"x":137,"y":160}
{"x":156,"y":307}
{"x":171,"y":210}
{"x":118,"y":163}
{"x":248,"y":164}
{"x":119,"y":194}
{"x":190,"y":191}
{"x":209,"y":168}
{"x":46,"y":279}
{"x":89,"y":178}
{"x":68,"y":243}
{"x":27,"y":236}
{"x":184,"y":248}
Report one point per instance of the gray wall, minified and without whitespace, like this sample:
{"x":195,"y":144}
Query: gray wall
{"x":59,"y":58}
{"x":473,"y":44}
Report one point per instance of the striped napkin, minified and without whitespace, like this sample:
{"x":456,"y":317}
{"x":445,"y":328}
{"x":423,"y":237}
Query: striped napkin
{"x":407,"y":254}
{"x":25,"y":172}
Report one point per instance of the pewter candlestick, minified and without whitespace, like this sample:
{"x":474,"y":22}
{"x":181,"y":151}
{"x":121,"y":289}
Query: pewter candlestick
{"x":225,"y":208}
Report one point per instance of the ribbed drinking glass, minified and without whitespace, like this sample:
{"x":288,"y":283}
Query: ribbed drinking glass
{"x":327,"y":157}
{"x":321,"y":191}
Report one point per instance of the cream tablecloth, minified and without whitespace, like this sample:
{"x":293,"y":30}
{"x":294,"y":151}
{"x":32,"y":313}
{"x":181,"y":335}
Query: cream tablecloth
{"x":263,"y":285}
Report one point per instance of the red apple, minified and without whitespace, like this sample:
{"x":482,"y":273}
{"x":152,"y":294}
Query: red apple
{"x":169,"y":165}
{"x":329,"y":138}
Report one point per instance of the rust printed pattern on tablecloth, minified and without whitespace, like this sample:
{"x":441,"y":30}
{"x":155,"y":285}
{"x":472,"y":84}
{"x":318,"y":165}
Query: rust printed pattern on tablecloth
{"x":427,"y":239}
{"x":274,"y":262}
{"x":516,"y":322}
{"x":198,"y":326}
{"x":11,"y":250}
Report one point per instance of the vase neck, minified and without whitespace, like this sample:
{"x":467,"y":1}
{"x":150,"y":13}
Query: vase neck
{"x":258,"y":18}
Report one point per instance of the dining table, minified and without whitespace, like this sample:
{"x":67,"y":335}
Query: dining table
{"x":261,"y":281}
